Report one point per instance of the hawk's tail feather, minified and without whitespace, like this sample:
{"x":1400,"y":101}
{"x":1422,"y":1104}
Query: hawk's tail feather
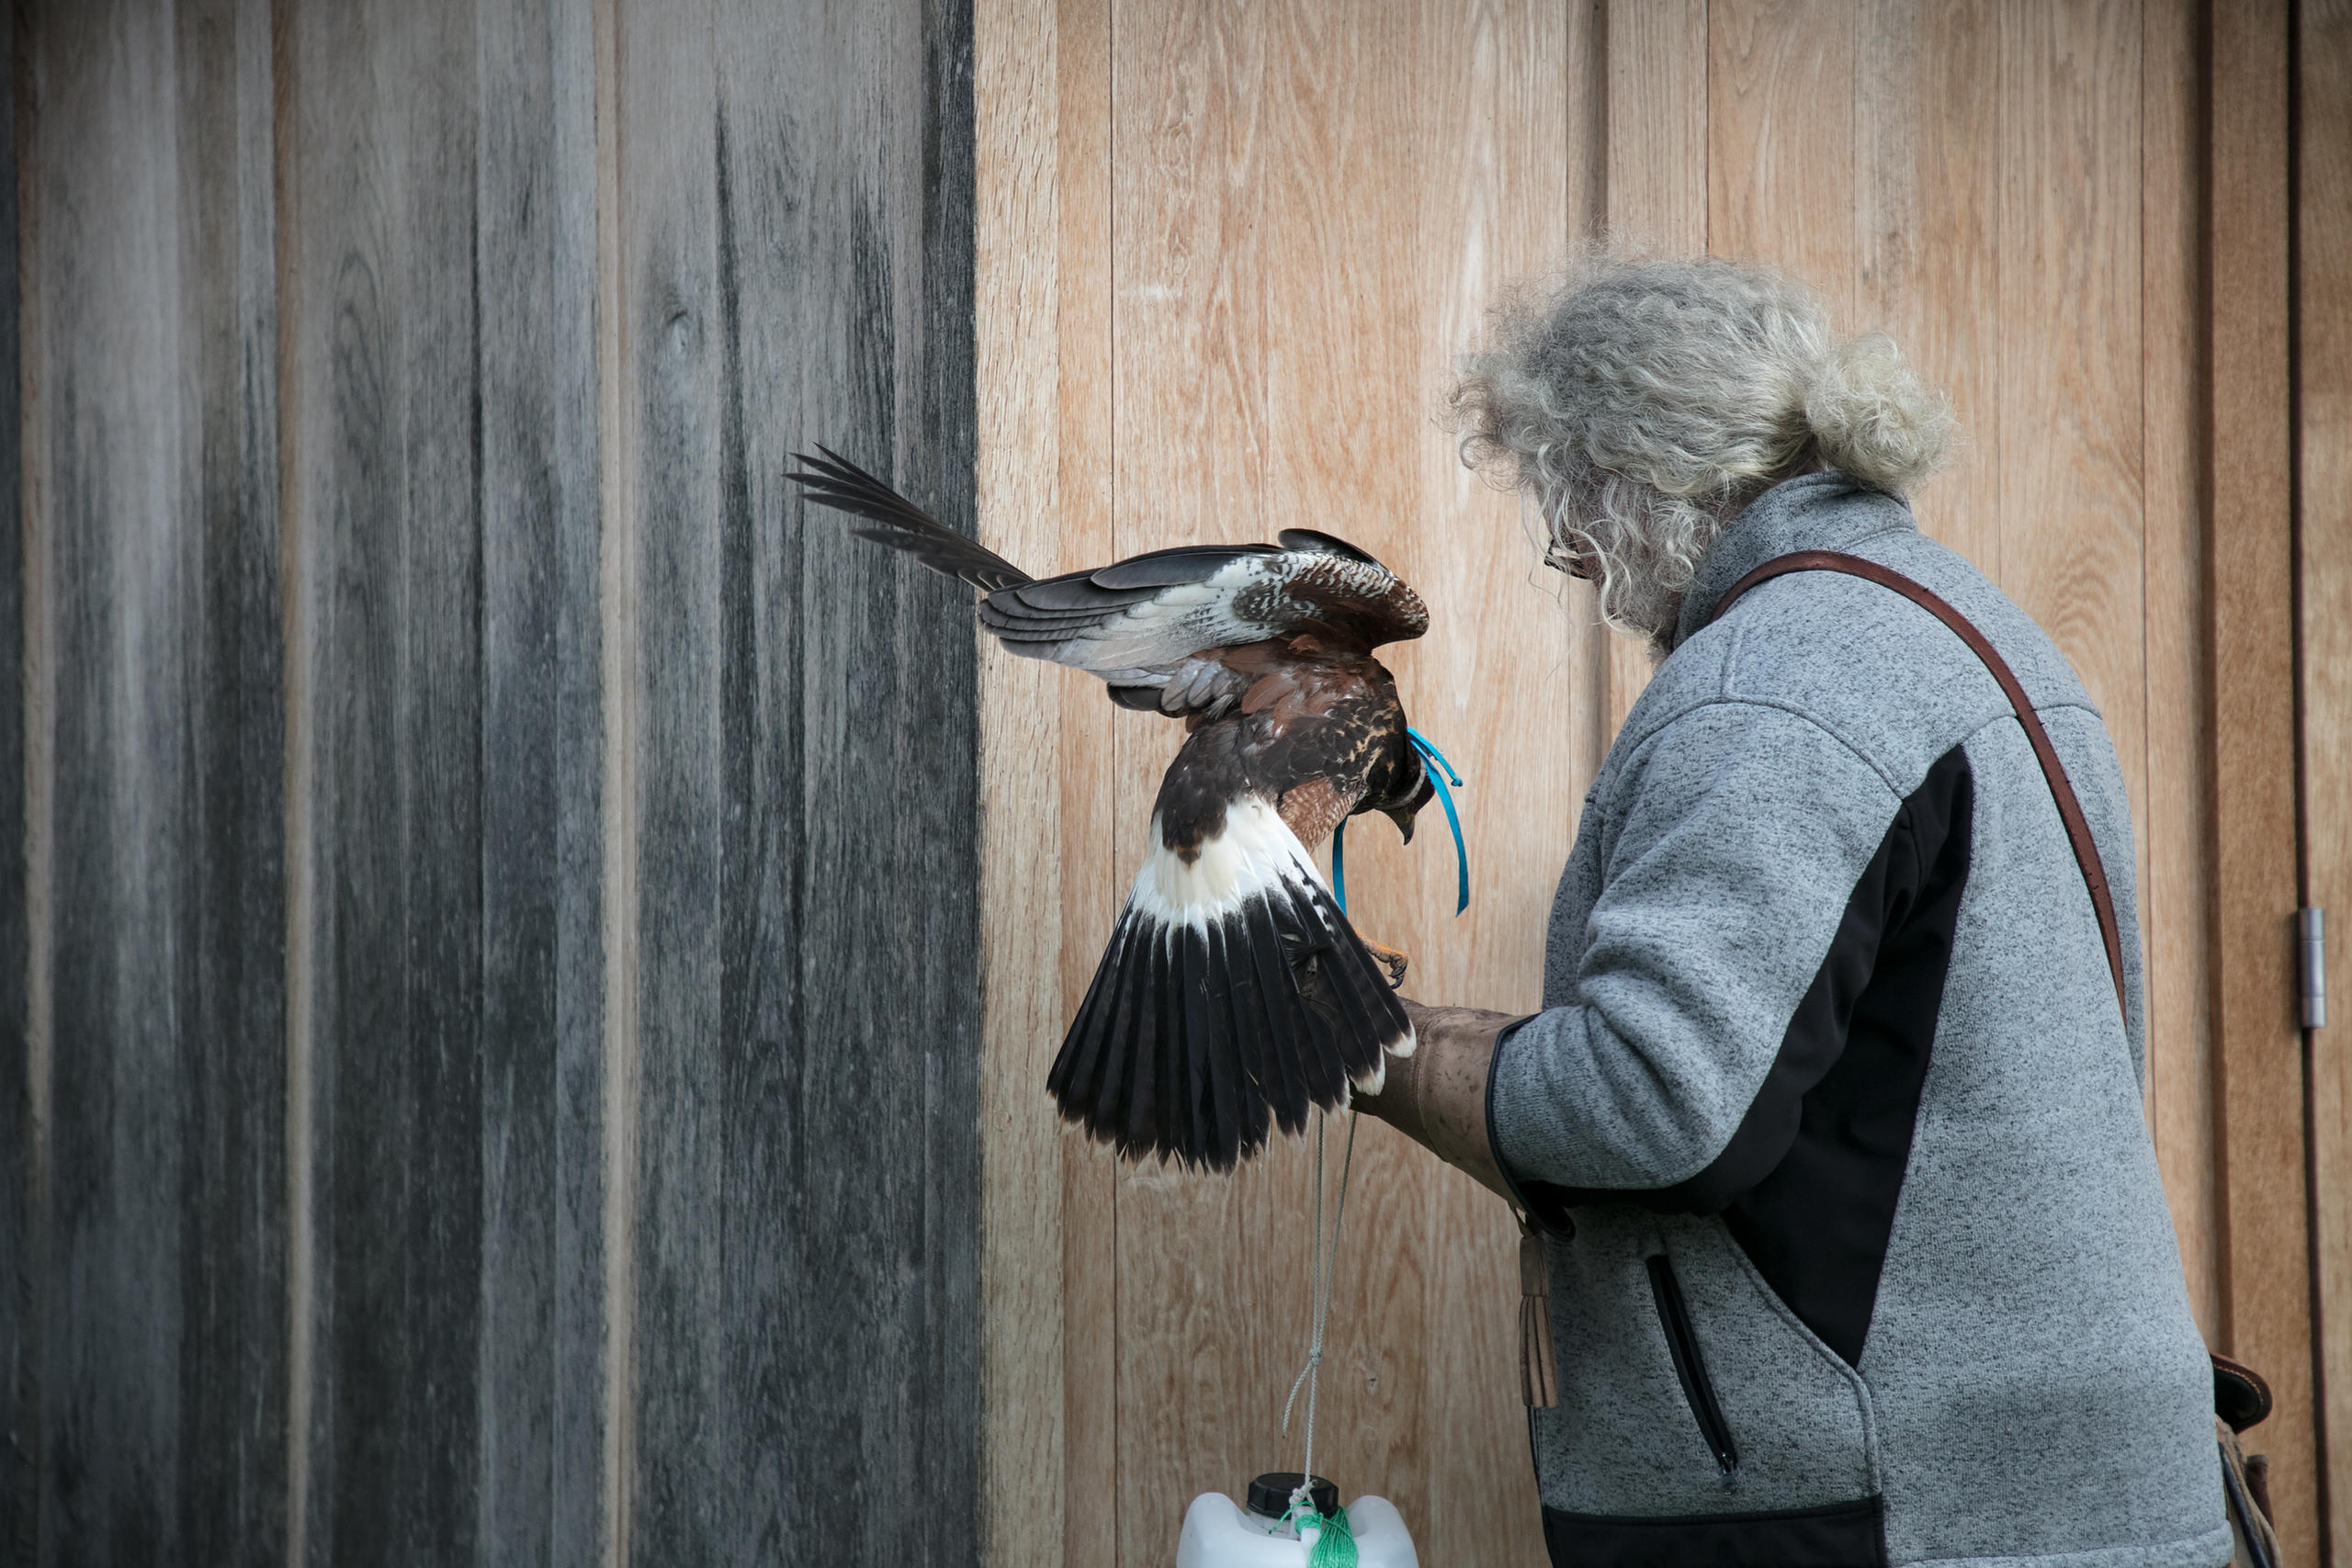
{"x":891,"y":519}
{"x":1233,"y":999}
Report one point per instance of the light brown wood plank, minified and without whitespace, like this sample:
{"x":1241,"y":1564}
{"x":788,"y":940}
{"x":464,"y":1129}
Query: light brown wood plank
{"x":2265,"y":1239}
{"x":1022,"y":1298}
{"x":1347,"y":124}
{"x":2324,"y":350}
{"x":1091,"y":885}
{"x":1927,"y":227}
{"x":1496,"y":686}
{"x":1094,"y":886}
{"x":2176,"y":883}
{"x":1654,"y":184}
{"x":1781,"y":141}
{"x":1209,"y":1312}
{"x":2069,"y":480}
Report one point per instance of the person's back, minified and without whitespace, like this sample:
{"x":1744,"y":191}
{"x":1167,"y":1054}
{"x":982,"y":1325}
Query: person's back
{"x":1913,"y":1252}
{"x":1833,"y":1115}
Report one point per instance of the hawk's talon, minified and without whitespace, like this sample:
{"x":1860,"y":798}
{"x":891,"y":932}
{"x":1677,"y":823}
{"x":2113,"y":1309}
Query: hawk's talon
{"x":1390,"y":959}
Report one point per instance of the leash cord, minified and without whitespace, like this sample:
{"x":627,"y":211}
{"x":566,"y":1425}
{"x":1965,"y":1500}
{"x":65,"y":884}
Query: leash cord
{"x":1321,"y":1261}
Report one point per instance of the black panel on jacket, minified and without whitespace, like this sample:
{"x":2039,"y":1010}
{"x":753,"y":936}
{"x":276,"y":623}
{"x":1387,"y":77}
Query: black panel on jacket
{"x":1816,"y":1228}
{"x":1843,"y":1534}
{"x":1808,"y":1182}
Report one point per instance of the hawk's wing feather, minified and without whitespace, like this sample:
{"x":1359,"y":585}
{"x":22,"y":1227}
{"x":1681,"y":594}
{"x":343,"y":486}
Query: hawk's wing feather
{"x":1136,"y":621}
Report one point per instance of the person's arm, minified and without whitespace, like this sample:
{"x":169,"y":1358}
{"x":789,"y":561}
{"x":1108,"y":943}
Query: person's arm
{"x":1726,"y":879}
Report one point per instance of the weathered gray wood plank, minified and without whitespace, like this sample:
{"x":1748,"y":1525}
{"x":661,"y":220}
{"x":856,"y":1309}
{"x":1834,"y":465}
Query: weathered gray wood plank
{"x":543,"y":1327}
{"x":18,"y":1399}
{"x":389,"y":471}
{"x":163,"y":1366}
{"x":795,"y":191}
{"x":231,"y":916}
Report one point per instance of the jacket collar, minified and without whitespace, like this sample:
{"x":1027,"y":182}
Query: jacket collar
{"x":1826,"y":511}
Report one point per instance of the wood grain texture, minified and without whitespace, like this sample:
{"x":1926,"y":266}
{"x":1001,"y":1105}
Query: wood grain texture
{"x":2176,"y":884}
{"x":1926,"y":225}
{"x":163,"y":1303}
{"x":1780,"y":154}
{"x":1654,"y":187}
{"x":2265,"y":1253}
{"x":795,"y":202}
{"x":1086,"y":470}
{"x":2069,"y":406}
{"x":389,"y":485}
{"x":1023,"y":1295}
{"x":541,"y":1399}
{"x":2324,"y":409}
{"x":19,"y":1341}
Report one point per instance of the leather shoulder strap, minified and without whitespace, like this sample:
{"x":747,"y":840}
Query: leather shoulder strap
{"x":2070,"y":809}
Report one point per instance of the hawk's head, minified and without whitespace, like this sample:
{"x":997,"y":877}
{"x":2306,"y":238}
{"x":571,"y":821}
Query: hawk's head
{"x":1399,"y":788}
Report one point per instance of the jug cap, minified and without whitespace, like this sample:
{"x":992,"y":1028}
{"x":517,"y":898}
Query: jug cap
{"x":1269,"y":1493}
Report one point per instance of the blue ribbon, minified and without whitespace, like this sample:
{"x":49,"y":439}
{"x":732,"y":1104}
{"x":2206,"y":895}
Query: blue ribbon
{"x":1452,"y":818}
{"x":1445,"y":772}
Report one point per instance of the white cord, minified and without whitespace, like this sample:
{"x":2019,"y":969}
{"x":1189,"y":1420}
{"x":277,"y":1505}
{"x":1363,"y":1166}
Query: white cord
{"x":1319,"y":1265}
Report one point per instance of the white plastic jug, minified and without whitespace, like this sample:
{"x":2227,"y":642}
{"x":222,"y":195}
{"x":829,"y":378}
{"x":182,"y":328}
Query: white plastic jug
{"x":1220,"y":1533}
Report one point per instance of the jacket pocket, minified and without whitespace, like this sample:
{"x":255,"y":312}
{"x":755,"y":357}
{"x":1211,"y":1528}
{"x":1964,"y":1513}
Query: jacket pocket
{"x":1689,"y":1366}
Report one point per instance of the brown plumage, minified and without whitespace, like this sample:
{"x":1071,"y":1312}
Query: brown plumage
{"x":1234,"y":995}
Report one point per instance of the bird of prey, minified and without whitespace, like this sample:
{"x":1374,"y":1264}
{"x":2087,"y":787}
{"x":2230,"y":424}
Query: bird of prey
{"x":1234,"y":993}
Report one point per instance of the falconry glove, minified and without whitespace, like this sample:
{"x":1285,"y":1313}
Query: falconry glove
{"x":1437,"y":1096}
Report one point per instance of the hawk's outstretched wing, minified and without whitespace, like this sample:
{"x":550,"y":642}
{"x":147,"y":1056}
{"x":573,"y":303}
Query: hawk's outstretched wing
{"x":1138,"y":622}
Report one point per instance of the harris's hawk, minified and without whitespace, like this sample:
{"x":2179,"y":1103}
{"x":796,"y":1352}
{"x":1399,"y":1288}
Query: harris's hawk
{"x":1234,"y":993}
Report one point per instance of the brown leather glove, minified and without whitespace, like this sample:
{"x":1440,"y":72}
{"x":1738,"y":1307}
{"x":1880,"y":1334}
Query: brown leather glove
{"x":1437,"y":1096}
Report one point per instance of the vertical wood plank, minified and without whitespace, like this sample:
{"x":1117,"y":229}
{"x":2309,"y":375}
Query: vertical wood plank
{"x":1092,"y":889}
{"x":2324,"y":363}
{"x":796,"y":195}
{"x":1023,"y":1297}
{"x":2070,"y":401}
{"x":20,"y":1249}
{"x":232,"y":1495}
{"x":1654,"y":184}
{"x":2176,"y":896}
{"x":1210,"y":1310}
{"x":1927,"y":144}
{"x":1781,"y":155}
{"x":541,"y":1399}
{"x":2266,"y":1251}
{"x":1502,"y":109}
{"x":163,"y":1300}
{"x":386,"y":360}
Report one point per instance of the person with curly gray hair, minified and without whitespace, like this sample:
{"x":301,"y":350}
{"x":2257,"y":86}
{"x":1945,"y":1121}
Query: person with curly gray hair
{"x":1854,"y":1250}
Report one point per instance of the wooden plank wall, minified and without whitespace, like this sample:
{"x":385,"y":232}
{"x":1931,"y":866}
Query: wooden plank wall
{"x":492,"y":1009}
{"x":1251,"y":288}
{"x":2323,"y":396}
{"x":157,"y":1371}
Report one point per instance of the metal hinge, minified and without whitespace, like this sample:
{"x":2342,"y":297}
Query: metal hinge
{"x":2311,"y":926}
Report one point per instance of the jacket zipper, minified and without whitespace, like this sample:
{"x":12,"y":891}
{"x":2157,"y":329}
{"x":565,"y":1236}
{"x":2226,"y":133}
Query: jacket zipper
{"x":1674,"y":1317}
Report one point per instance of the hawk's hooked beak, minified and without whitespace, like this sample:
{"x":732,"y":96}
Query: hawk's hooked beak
{"x":1403,"y":814}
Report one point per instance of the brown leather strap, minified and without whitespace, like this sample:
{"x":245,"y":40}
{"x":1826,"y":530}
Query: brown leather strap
{"x":2070,"y":810}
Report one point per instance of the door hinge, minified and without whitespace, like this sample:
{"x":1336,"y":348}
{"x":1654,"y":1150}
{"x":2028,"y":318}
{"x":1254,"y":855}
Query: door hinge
{"x":2311,"y":926}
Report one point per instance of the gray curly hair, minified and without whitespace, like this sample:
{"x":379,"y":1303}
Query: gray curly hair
{"x":1642,"y":403}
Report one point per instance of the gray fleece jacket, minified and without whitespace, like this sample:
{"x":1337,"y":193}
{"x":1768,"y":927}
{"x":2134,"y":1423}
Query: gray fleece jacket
{"x":1858,"y":1251}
